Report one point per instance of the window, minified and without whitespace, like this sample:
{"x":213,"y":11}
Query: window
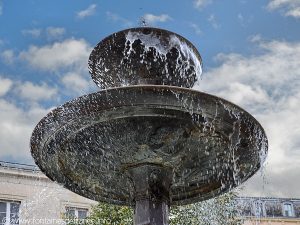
{"x":9,"y":212}
{"x":287,"y":209}
{"x":258,"y":209}
{"x":79,"y":213}
{"x":273,"y":209}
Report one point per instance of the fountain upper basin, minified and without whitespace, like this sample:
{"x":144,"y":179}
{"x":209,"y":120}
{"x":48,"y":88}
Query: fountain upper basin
{"x":145,"y":55}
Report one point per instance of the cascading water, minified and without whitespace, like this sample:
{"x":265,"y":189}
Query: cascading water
{"x":148,"y":140}
{"x":34,"y":190}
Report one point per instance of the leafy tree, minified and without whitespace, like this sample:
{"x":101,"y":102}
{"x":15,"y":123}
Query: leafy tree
{"x":107,"y":214}
{"x":221,"y":210}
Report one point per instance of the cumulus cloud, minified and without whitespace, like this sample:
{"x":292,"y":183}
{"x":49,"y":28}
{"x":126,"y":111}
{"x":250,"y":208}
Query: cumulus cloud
{"x":268,"y":86}
{"x":16,"y":127}
{"x":5,"y":85}
{"x":70,"y":52}
{"x":89,"y":11}
{"x":212,"y":20}
{"x":117,"y":18}
{"x":196,"y":28}
{"x":55,"y":32}
{"x":66,"y":59}
{"x":289,"y":7}
{"x":35,"y":33}
{"x":153,"y":19}
{"x":34,"y":92}
{"x":199,"y":4}
{"x":241,"y":19}
{"x":50,"y":32}
{"x":7,"y":56}
{"x":76,"y":82}
{"x":17,"y":120}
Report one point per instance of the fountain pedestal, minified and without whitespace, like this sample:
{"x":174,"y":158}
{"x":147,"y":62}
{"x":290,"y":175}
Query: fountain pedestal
{"x":151,"y":190}
{"x":148,"y":212}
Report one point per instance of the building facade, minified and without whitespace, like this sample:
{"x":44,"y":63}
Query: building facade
{"x":27,"y":196}
{"x":273,"y":211}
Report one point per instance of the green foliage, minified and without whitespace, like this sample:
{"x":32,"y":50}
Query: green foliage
{"x":217,"y":211}
{"x":106,"y":214}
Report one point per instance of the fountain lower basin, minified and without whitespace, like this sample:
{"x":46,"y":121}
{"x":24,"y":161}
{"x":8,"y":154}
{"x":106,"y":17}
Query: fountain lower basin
{"x":203,"y":145}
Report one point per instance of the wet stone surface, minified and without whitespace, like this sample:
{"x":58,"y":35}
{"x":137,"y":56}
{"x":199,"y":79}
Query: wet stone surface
{"x":204,"y":144}
{"x":145,"y":56}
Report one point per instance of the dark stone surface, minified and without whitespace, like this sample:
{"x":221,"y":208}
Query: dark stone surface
{"x":91,"y":143}
{"x":145,"y":56}
{"x":151,"y":213}
{"x":152,"y":185}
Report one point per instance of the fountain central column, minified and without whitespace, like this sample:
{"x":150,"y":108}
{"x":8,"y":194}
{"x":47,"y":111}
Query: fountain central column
{"x":152,"y":187}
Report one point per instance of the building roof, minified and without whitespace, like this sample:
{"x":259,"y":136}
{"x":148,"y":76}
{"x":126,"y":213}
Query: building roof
{"x":18,"y":166}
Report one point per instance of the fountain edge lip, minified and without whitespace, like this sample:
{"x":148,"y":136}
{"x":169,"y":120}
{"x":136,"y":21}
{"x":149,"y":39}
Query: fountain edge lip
{"x":191,"y":90}
{"x":137,"y":29}
{"x":162,"y":87}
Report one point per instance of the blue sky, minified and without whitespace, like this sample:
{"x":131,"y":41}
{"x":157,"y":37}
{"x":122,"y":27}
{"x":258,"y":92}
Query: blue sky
{"x":250,"y":50}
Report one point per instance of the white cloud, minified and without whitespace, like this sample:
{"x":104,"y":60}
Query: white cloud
{"x":268,"y":86}
{"x":59,"y":55}
{"x":35,"y":33}
{"x":7,"y":56}
{"x":117,"y":18}
{"x":76,"y":82}
{"x":153,"y":19}
{"x":34,"y":92}
{"x":212,"y":20}
{"x":289,"y":7}
{"x":17,"y":120}
{"x":50,"y":32}
{"x":239,"y":92}
{"x":16,"y":127}
{"x":196,"y":28}
{"x":241,"y":19}
{"x":55,"y":32}
{"x":5,"y":85}
{"x":294,"y":12}
{"x":87,"y":12}
{"x":255,"y":38}
{"x":68,"y":60}
{"x":199,"y":4}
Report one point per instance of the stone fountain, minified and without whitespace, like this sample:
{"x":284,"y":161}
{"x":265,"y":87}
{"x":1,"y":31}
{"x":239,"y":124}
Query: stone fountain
{"x":146,"y":139}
